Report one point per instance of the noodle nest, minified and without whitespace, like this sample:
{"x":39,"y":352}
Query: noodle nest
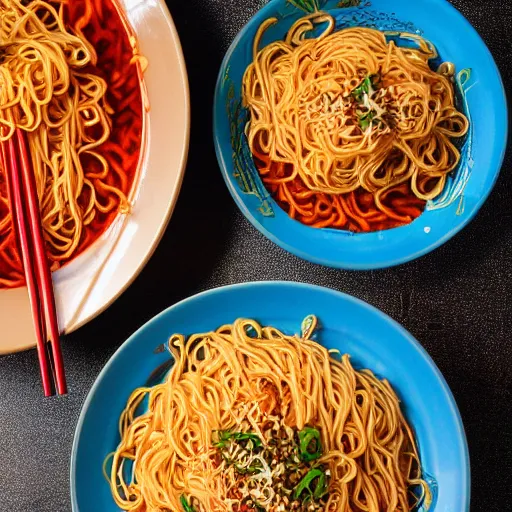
{"x":351,"y":110}
{"x":47,"y":90}
{"x":239,"y":378}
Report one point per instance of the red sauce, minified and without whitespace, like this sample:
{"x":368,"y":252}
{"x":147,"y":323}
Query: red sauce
{"x":355,"y":211}
{"x":105,"y":30}
{"x":102,"y":25}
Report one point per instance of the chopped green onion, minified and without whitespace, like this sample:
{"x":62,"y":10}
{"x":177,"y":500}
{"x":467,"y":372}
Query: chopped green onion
{"x":362,"y":89}
{"x":252,"y":469}
{"x":309,"y":444}
{"x":305,"y":485}
{"x":365,"y":87}
{"x":185,"y":504}
{"x":225,"y":437}
{"x":365,"y":120}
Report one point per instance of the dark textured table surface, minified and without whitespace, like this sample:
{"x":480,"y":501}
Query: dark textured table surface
{"x":456,"y":301}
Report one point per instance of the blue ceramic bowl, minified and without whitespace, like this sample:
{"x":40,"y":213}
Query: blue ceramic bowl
{"x":481,"y":96}
{"x":349,"y":325}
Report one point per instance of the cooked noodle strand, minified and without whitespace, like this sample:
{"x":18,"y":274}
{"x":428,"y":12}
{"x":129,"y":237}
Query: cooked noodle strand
{"x":84,"y":147}
{"x":236,"y":379}
{"x":348,"y":114}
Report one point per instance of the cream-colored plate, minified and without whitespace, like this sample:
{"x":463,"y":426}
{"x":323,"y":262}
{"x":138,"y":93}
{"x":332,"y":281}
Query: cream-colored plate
{"x":89,"y":284}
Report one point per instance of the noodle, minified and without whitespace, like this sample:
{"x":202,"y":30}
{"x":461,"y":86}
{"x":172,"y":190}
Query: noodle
{"x":349,"y":113}
{"x":84,"y":124}
{"x":235,"y":394}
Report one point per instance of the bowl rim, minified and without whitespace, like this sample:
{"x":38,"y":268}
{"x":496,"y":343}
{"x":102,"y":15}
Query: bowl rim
{"x":326,"y":260}
{"x":180,"y":175}
{"x":462,"y":444}
{"x":79,"y":320}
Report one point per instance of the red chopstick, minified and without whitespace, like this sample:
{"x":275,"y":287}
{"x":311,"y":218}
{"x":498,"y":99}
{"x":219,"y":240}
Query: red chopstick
{"x":25,"y":211}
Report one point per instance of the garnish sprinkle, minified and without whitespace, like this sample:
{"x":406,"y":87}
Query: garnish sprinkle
{"x":275,"y":472}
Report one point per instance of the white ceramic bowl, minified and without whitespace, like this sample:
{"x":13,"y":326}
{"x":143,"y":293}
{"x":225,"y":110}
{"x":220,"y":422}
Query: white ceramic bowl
{"x":89,"y":284}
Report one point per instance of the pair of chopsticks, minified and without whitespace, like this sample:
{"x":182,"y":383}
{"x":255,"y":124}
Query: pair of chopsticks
{"x":27,"y":219}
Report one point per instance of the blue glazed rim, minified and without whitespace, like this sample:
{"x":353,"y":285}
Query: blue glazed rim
{"x":351,"y":259}
{"x":446,"y":394}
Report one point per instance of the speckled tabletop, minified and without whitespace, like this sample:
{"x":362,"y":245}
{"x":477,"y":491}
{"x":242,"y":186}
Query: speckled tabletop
{"x":456,"y":301}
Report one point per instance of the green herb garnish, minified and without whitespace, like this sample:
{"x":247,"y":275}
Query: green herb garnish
{"x":185,"y":504}
{"x":225,"y":437}
{"x":304,"y":486}
{"x":310,"y":445}
{"x":362,"y":89}
{"x":365,"y":120}
{"x":253,"y":469}
{"x":365,"y":87}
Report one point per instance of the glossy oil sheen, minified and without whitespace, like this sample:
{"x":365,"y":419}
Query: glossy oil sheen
{"x":347,"y":324}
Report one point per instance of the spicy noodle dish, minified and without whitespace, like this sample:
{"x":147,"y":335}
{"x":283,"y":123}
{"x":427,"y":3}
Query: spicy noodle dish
{"x":353,"y":129}
{"x":71,"y":78}
{"x":251,"y":419}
